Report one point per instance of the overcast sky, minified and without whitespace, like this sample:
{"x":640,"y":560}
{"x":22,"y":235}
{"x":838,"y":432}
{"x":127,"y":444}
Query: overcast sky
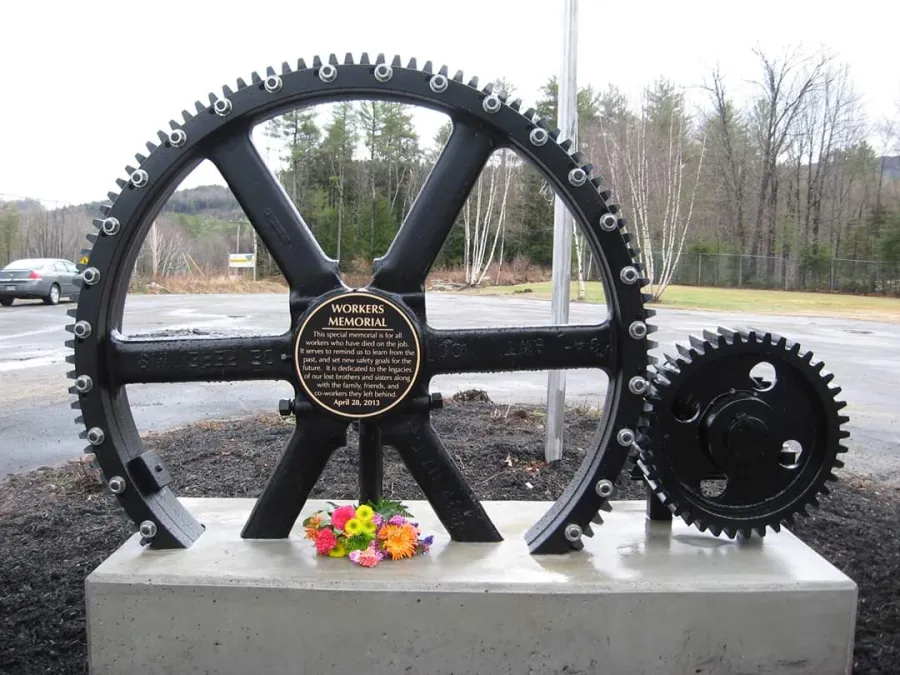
{"x":86,"y":84}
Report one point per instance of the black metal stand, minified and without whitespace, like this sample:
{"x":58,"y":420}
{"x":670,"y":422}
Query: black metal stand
{"x":371,"y":467}
{"x":656,"y":510}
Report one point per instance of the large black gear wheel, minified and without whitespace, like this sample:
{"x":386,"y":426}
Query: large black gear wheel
{"x":483,"y":121}
{"x":730,"y":451}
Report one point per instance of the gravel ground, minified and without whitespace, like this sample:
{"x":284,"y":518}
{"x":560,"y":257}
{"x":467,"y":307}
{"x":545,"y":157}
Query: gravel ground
{"x":56,"y":525}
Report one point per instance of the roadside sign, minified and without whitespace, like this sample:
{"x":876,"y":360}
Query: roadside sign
{"x":242,"y":260}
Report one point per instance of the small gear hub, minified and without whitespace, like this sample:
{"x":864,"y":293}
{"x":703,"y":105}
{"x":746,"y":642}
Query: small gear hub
{"x":732,"y":450}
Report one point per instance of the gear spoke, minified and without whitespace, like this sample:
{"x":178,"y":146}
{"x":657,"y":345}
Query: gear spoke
{"x":302,"y":462}
{"x":201,"y":359}
{"x":274,"y":216}
{"x":452,"y":498}
{"x":425,"y":229}
{"x":488,"y":350}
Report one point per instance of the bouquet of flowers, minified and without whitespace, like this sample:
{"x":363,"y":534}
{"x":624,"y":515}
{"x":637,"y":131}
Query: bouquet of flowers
{"x":368,"y":533}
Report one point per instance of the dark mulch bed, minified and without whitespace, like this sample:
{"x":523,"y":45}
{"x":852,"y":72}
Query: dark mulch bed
{"x":56,"y":525}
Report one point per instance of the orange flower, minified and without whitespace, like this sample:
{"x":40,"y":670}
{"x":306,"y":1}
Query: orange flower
{"x":398,"y":541}
{"x":312,"y":526}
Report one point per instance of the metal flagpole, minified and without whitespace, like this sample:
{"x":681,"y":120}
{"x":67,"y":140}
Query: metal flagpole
{"x":563,"y":224}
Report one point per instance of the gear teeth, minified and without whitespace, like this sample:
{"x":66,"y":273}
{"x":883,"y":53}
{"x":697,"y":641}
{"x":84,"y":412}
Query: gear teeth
{"x":80,"y":420}
{"x":364,"y":59}
{"x":605,"y":195}
{"x":597,"y":519}
{"x":843,"y":433}
{"x":227,"y":91}
{"x":74,"y":405}
{"x":105,"y":209}
{"x":151,"y":147}
{"x":301,"y":65}
{"x":587,"y":530}
{"x":835,"y":390}
{"x":396,"y":62}
{"x":516,"y":104}
{"x":554,"y":134}
{"x":684,"y":351}
{"x":112,"y":196}
{"x":212,"y":98}
{"x":727,"y":333}
{"x":698,"y":344}
{"x":200,"y":107}
{"x":186,"y":116}
{"x":488,"y":88}
{"x":241,"y":84}
{"x":163,"y":136}
{"x":427,"y":68}
{"x":70,"y":344}
{"x":566,"y":144}
{"x":348,"y":59}
{"x":72,"y":312}
{"x":445,"y":71}
{"x":412,"y":65}
{"x":333,"y":60}
{"x":579,"y":158}
{"x":473,"y":83}
{"x":710,"y":337}
{"x":529,"y":113}
{"x":379,"y":59}
{"x":596,"y":181}
{"x":70,"y":358}
{"x":122,"y":183}
{"x":270,"y":72}
{"x":458,"y":76}
{"x":731,"y":532}
{"x":761,"y":531}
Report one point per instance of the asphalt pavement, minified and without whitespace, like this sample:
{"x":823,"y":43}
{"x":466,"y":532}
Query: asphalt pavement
{"x":37,"y":425}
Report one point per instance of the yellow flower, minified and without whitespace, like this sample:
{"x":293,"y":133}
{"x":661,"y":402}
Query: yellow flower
{"x":369,"y":527}
{"x":399,"y":541}
{"x":353,"y":526}
{"x":339,"y":551}
{"x":365,"y":513}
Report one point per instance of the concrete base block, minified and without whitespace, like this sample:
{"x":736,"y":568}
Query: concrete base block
{"x":640,"y":598}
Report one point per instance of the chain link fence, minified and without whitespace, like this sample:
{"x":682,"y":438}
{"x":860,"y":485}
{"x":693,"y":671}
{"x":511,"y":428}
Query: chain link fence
{"x":734,"y":270}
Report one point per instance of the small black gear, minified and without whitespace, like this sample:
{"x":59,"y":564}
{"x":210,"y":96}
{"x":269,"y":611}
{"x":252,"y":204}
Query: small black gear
{"x":730,"y":450}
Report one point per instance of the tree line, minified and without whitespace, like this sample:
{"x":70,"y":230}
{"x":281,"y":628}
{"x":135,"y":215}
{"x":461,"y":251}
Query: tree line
{"x":783,"y":176}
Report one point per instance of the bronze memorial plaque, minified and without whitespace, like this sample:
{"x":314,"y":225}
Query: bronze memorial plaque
{"x":357,"y":355}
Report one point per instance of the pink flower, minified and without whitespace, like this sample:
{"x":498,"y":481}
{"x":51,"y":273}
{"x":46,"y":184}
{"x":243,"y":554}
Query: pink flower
{"x":397,"y":520}
{"x":341,"y":515}
{"x":367,"y":558}
{"x":325,"y":541}
{"x":377,"y":519}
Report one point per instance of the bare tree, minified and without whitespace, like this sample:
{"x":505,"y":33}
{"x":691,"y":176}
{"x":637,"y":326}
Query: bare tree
{"x":785,"y":84}
{"x":486,"y":216}
{"x":649,"y":154}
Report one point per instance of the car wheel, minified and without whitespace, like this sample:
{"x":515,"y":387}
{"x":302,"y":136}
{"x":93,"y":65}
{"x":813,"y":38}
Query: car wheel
{"x":6,"y":302}
{"x":53,"y":296}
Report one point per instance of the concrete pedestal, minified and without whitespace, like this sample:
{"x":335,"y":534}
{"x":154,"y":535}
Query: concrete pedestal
{"x":641,"y":598}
